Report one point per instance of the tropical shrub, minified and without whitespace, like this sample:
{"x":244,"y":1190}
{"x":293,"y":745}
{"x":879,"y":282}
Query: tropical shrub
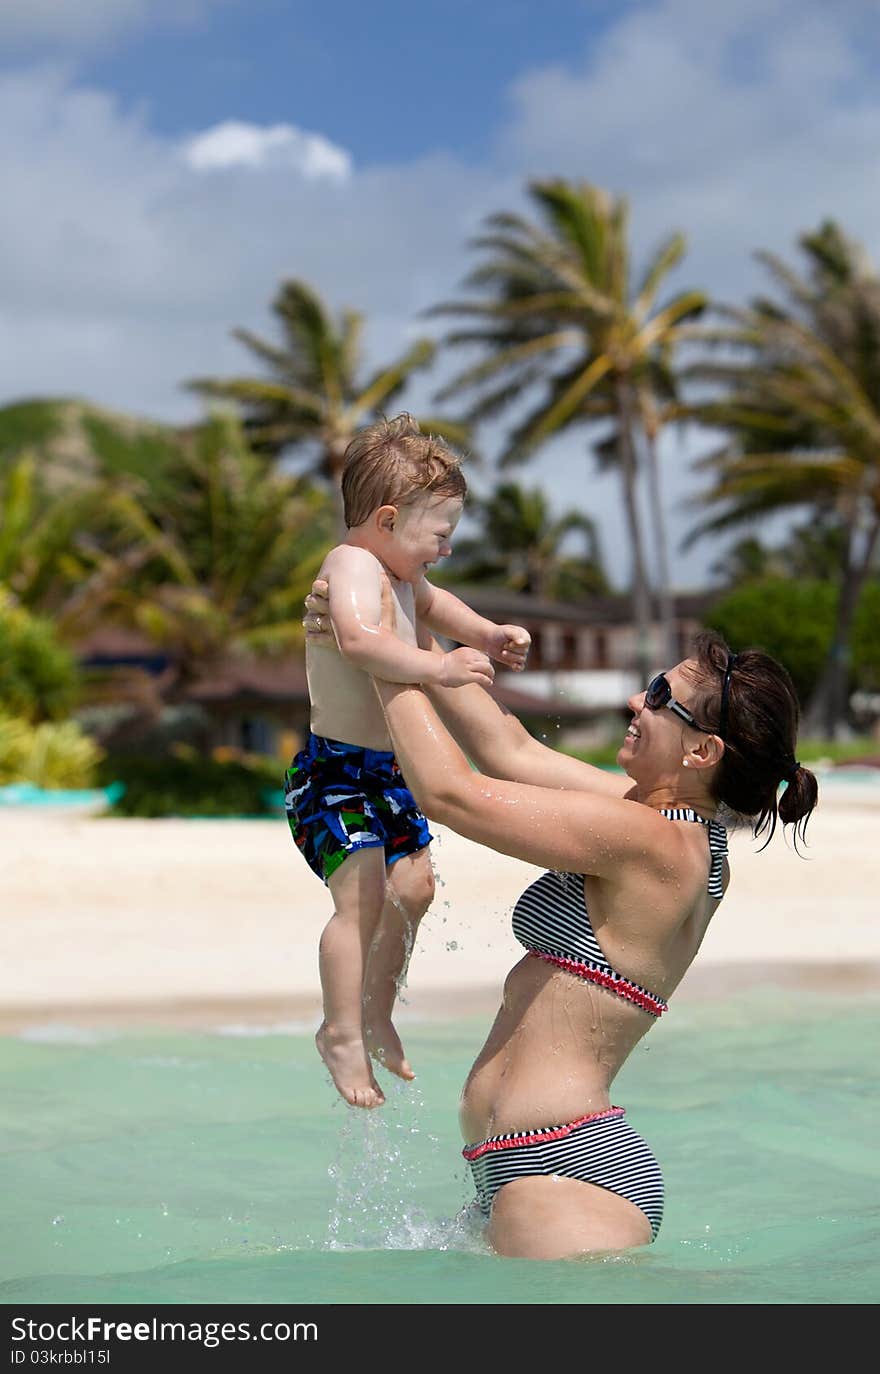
{"x":185,"y":783}
{"x":866,"y":639}
{"x":794,"y":621}
{"x":38,"y":676}
{"x":52,"y":754}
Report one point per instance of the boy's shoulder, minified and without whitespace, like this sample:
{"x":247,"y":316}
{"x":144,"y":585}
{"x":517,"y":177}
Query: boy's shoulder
{"x":350,"y":556}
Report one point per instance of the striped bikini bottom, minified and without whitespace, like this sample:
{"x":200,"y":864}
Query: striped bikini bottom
{"x":601,"y":1148}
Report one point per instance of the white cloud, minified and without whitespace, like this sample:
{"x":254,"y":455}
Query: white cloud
{"x":237,"y":144}
{"x":741,"y":124}
{"x":59,"y":26}
{"x":126,"y":259}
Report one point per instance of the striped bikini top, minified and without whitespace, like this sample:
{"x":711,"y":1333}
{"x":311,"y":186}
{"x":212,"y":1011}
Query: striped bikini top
{"x":551,"y":920}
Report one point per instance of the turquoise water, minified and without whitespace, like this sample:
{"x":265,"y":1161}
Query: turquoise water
{"x":28,"y":794}
{"x":222,"y":1168}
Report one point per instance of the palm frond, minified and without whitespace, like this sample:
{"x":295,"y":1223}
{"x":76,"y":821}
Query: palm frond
{"x":276,"y":357}
{"x":390,"y":380}
{"x":252,"y":391}
{"x":667,"y":256}
{"x":507,"y":358}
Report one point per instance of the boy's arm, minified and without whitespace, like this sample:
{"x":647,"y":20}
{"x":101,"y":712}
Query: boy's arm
{"x":447,"y":615}
{"x":502,"y":747}
{"x":490,"y":734}
{"x":355,"y":579}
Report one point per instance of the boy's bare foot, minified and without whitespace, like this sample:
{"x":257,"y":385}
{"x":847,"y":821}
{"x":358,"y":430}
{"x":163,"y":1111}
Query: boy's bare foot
{"x":349,"y":1068}
{"x":384,"y":1045}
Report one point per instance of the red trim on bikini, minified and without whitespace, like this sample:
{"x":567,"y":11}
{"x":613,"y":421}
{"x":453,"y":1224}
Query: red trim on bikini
{"x":631,"y":991}
{"x":505,"y":1142}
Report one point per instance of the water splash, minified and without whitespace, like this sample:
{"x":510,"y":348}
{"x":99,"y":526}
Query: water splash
{"x":383,"y":1160}
{"x":408,"y":934}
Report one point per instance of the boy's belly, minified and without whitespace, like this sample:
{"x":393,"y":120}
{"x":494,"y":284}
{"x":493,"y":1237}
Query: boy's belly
{"x":344,"y":702}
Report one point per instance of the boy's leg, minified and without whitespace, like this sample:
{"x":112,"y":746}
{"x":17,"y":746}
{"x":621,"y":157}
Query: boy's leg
{"x":358,"y":891}
{"x":409,"y":893}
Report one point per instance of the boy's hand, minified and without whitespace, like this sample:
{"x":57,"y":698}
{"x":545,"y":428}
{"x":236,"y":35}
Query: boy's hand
{"x":461,"y":666}
{"x":510,"y":645}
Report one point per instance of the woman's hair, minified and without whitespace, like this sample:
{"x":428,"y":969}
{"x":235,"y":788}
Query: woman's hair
{"x":393,"y":463}
{"x":759,"y":730}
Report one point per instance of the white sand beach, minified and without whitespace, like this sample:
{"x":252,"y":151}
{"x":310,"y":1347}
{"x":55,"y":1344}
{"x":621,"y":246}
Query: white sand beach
{"x":184,"y":923}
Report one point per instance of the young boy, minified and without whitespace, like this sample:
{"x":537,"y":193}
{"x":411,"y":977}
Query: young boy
{"x":350,"y":811}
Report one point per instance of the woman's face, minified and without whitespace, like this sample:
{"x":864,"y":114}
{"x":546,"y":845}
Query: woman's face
{"x":656,"y":742}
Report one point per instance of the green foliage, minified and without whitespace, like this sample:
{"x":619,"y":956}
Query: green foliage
{"x":313,"y":391}
{"x":568,"y":335}
{"x":600,"y":755}
{"x":27,"y":423}
{"x":812,"y":550}
{"x":149,"y":454}
{"x":38,"y":676}
{"x":794,"y":621}
{"x":230,"y":559}
{"x":866,"y":638}
{"x":519,"y":546}
{"x":812,"y":751}
{"x":52,"y":754}
{"x":62,"y":432}
{"x":797,"y":391}
{"x":186,"y":783}
{"x":54,"y":544}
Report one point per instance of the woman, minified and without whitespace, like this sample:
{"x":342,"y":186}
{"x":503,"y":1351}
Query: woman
{"x":636,"y":867}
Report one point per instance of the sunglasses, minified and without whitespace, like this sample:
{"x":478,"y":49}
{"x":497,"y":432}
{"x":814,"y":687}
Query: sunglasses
{"x":658,"y":694}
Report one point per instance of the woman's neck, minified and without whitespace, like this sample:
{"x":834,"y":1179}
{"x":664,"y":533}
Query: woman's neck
{"x":664,"y":797}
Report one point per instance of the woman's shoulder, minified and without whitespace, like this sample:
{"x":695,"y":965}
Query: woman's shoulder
{"x":672,"y":839}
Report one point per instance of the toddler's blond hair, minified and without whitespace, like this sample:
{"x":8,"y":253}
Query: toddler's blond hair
{"x":392,"y":463}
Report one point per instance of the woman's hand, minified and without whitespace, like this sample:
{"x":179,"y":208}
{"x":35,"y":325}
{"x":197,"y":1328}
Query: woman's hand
{"x":316,"y":621}
{"x":388,"y":607}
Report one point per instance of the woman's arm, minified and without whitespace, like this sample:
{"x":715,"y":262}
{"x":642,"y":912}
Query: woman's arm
{"x":501,"y":746}
{"x":575,"y":831}
{"x":498,"y":743}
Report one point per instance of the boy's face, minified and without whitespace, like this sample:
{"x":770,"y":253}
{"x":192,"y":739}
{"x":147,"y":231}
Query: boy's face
{"x":419,"y":535}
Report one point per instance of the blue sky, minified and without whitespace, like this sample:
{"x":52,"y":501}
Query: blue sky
{"x":167,"y":162}
{"x":389,"y":81}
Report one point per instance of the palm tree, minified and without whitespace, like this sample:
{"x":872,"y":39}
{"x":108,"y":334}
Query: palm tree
{"x":314,"y":395}
{"x":560,"y":312}
{"x":800,"y":400}
{"x":657,"y":404}
{"x":61,"y":553}
{"x":229,"y":559}
{"x":748,"y":560}
{"x":519,"y":546}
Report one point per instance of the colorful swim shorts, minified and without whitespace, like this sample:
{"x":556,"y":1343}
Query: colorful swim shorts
{"x":341,"y":798}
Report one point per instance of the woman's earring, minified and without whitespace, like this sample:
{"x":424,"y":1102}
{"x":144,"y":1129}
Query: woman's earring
{"x":684,"y":763}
